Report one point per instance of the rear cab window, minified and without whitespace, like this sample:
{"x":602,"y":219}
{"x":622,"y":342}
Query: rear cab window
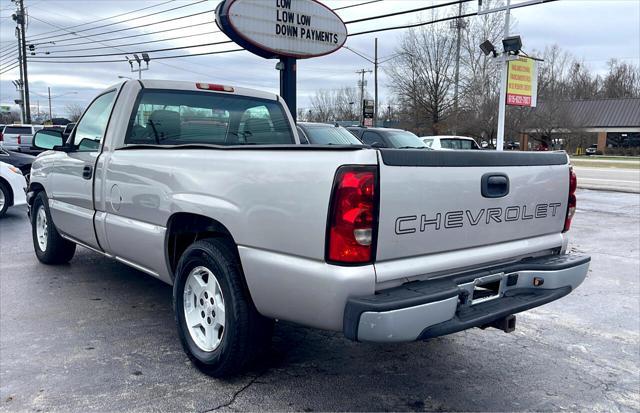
{"x":18,"y":130}
{"x":175,"y":117}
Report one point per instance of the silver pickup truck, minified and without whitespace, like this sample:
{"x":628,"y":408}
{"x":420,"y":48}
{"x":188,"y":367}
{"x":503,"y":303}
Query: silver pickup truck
{"x":206,"y":187}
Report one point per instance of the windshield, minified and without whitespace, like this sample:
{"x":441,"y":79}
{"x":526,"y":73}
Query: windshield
{"x":457,"y":144}
{"x":330,"y":135}
{"x":404,"y":139}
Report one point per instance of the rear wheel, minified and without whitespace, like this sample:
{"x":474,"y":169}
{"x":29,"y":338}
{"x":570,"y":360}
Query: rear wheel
{"x":5,"y":197}
{"x":219,"y":327}
{"x":49,"y":246}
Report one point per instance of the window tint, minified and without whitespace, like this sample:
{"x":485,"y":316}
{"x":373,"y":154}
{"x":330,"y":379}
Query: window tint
{"x":404,"y":139}
{"x":91,"y":128}
{"x":184,"y":117}
{"x":18,"y":130}
{"x":428,"y":142}
{"x":331,"y":135}
{"x":369,"y":138}
{"x":457,"y":144}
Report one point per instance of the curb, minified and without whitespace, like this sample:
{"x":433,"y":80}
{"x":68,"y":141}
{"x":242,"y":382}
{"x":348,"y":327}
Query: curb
{"x":609,"y":189}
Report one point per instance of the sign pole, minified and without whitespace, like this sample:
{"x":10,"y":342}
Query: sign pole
{"x":288,"y":84}
{"x":503,"y":86}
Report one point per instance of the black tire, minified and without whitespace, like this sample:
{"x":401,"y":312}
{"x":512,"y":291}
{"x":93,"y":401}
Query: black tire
{"x":246,"y":333}
{"x":8,"y":196}
{"x":58,"y":250}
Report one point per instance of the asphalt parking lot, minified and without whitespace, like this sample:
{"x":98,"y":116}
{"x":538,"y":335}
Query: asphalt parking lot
{"x":98,"y":336}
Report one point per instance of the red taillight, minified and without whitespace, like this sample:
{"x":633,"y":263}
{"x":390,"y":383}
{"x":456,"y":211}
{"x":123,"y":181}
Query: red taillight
{"x":217,"y":88}
{"x":571,"y":205}
{"x":1,"y":137}
{"x":353,"y":216}
{"x":19,"y":140}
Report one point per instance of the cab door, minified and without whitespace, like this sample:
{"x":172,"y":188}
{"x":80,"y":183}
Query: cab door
{"x":71,"y":200}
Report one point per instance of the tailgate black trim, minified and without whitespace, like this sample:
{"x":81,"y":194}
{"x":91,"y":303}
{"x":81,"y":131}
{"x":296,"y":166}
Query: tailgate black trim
{"x":419,"y":157}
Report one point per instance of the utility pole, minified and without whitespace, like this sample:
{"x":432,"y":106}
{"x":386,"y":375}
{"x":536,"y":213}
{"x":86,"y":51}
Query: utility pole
{"x":362,"y":84}
{"x":375,"y":76}
{"x":459,"y":25}
{"x":50,"y":115}
{"x":19,"y":17}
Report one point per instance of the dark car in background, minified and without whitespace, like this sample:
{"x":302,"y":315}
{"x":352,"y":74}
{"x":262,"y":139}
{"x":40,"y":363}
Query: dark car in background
{"x":20,"y":160}
{"x":325,"y":134}
{"x":387,"y":138}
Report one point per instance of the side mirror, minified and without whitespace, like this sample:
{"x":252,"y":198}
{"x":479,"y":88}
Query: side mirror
{"x":47,"y":139}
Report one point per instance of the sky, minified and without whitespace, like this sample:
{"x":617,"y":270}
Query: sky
{"x":593,"y":30}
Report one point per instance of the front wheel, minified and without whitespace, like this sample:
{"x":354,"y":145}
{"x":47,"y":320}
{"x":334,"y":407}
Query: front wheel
{"x":49,"y":246}
{"x":219,"y":327}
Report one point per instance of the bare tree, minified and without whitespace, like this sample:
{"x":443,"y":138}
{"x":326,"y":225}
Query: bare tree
{"x":622,"y":80}
{"x":332,"y":105}
{"x":74,"y":111}
{"x":423,"y":74}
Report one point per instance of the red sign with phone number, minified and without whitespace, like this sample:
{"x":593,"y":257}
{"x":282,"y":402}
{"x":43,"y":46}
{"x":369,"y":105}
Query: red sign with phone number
{"x":518,"y":100}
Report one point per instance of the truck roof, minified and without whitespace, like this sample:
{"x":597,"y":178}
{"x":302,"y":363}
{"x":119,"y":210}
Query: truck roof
{"x":182,"y":85}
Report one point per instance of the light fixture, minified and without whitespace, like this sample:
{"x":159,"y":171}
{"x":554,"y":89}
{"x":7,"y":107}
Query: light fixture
{"x":512,"y":44}
{"x":146,"y":57}
{"x":135,"y":56}
{"x":487,"y":48}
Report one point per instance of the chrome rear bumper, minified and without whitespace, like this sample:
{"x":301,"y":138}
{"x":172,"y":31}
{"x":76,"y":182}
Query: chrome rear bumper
{"x":426,"y":309}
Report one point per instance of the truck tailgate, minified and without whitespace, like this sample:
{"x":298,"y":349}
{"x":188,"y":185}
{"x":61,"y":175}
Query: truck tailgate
{"x":432,"y":204}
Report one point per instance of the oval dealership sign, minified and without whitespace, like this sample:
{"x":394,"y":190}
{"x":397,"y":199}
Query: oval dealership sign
{"x":277,"y":28}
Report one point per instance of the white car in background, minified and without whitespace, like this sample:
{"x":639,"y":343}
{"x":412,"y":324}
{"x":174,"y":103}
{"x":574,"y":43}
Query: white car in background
{"x":18,"y":137}
{"x":12,"y":187}
{"x":450,"y":142}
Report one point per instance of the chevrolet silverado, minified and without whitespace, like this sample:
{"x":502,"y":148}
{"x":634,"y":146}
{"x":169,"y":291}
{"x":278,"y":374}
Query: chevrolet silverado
{"x":207,"y":188}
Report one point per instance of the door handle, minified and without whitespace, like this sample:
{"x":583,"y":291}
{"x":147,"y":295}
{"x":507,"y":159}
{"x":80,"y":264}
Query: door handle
{"x":87,"y":172}
{"x":494,"y":185}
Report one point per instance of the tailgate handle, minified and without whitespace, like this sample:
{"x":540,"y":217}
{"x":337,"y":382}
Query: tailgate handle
{"x":494,"y":185}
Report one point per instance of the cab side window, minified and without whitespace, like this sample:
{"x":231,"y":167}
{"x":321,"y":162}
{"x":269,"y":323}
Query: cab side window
{"x":89,"y":132}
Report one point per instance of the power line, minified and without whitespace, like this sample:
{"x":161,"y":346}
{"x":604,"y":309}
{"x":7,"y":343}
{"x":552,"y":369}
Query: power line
{"x":398,"y":13}
{"x":132,"y":36}
{"x":9,"y":55}
{"x":106,"y":18}
{"x":356,"y":5}
{"x":131,"y":44}
{"x":128,"y":28}
{"x":168,"y":49}
{"x":408,"y":26}
{"x":154,"y":58}
{"x":10,"y":68}
{"x":235,"y":50}
{"x":115,"y":23}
